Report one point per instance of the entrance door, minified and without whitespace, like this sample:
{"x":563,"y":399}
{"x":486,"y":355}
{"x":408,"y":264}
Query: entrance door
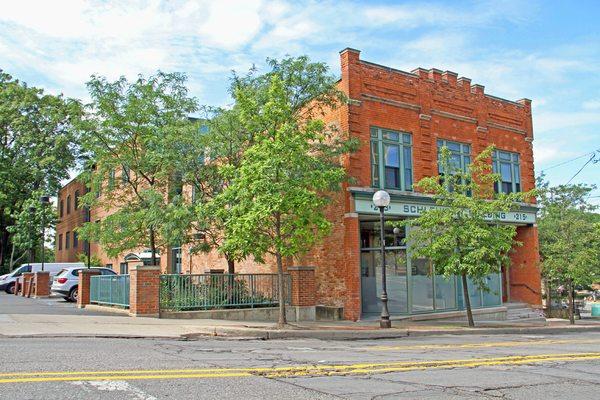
{"x":176,"y":260}
{"x":396,"y":269}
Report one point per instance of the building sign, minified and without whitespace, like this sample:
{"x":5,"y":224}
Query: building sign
{"x":408,"y":209}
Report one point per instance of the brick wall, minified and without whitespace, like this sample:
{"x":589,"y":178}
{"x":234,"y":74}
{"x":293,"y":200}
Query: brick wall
{"x":144,"y":291}
{"x":69,"y":221}
{"x":83,"y":287}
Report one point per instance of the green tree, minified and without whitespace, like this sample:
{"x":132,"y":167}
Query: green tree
{"x":569,"y":235}
{"x":278,"y":194}
{"x":133,"y":129}
{"x":26,"y":231}
{"x":460,"y":236}
{"x":38,"y":147}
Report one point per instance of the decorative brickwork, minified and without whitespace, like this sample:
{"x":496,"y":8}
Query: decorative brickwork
{"x":144,"y":291}
{"x":83,"y":289}
{"x":42,"y":284}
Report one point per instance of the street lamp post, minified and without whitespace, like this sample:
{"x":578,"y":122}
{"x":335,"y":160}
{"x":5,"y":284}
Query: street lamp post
{"x":32,"y":234}
{"x":44,"y":200}
{"x":381,"y":199}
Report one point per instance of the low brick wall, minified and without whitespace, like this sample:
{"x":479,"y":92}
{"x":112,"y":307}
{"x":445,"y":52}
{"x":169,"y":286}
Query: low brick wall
{"x":263,"y":314}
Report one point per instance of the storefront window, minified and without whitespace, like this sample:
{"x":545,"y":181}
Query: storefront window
{"x":422,"y":285}
{"x":391,"y":159}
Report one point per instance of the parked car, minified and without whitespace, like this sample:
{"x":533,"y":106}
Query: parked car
{"x":66,"y":282}
{"x":7,"y":282}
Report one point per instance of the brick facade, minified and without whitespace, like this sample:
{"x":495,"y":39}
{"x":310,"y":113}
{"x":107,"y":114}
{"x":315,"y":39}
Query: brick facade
{"x":429,"y":104}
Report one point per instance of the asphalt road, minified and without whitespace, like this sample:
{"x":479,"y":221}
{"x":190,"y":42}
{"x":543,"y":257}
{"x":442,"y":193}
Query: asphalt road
{"x":445,"y":367}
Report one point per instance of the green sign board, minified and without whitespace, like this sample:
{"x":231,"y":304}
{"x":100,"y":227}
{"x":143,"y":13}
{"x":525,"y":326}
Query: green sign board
{"x":414,"y":209}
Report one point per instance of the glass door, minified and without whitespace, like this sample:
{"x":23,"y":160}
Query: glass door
{"x":396,"y":270}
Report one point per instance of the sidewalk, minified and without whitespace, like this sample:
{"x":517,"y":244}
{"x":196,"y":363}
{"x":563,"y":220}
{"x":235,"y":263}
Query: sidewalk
{"x":54,"y":318}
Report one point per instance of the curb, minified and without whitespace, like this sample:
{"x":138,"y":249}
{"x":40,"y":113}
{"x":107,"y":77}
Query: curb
{"x":273,"y":334}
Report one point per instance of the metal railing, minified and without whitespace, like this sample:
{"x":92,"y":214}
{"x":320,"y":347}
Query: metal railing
{"x":221,"y":291}
{"x":110,"y":290}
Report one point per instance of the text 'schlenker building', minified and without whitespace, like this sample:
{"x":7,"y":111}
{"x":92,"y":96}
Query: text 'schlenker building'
{"x":402,"y":120}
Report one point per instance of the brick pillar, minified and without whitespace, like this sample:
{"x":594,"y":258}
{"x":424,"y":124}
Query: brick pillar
{"x":303,"y":286}
{"x":144,"y":291}
{"x":524,"y":273}
{"x":27,"y":281}
{"x":83,"y":289}
{"x":42,"y":284}
{"x":18,"y":285}
{"x":352,"y":300}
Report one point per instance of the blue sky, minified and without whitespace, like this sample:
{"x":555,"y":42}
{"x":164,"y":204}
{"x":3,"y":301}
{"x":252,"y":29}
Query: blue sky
{"x":547,"y":51}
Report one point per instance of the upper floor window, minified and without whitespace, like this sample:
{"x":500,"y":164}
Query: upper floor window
{"x":67,"y":240}
{"x":68,"y":204}
{"x":111,"y":179}
{"x":460,"y":156}
{"x":506,"y":164}
{"x":458,"y":161}
{"x":125,"y":174}
{"x":391,"y":159}
{"x":75,"y":240}
{"x":76,"y":200}
{"x":60,"y":240}
{"x":61,"y":208}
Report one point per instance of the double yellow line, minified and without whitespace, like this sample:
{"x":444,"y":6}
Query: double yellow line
{"x":450,"y":346}
{"x":292,"y":371}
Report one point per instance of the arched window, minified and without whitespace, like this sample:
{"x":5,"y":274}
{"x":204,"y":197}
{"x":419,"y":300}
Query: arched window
{"x":76,"y":200}
{"x":68,"y":204}
{"x":62,"y":208}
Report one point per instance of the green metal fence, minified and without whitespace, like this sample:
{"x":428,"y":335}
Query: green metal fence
{"x":110,"y":290}
{"x":220,"y":291}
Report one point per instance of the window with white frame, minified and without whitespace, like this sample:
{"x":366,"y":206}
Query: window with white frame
{"x":391,"y":159}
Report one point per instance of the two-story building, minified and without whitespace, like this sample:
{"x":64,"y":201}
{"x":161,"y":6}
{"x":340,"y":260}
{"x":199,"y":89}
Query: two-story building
{"x":402,"y":120}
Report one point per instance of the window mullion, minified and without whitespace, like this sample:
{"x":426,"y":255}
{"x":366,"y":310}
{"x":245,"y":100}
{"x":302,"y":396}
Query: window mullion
{"x":381,"y":166}
{"x":402,"y":167}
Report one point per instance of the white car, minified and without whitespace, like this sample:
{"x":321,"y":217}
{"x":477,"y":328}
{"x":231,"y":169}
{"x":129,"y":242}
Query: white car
{"x":66,"y":282}
{"x":7,"y":282}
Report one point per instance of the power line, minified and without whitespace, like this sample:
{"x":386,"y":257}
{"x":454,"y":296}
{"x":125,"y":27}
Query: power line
{"x":571,"y":160}
{"x":592,"y":159}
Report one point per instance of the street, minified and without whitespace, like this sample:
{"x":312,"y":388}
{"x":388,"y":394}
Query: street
{"x":499,"y":366}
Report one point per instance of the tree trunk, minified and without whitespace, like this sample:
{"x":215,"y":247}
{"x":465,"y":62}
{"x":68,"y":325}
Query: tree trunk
{"x":467,"y":301}
{"x":282,"y":321}
{"x":230,"y":265}
{"x":153,"y":246}
{"x":571,"y":303}
{"x":548,"y":298}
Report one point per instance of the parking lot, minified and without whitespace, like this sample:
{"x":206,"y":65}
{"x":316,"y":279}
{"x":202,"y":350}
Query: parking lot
{"x":11,"y":304}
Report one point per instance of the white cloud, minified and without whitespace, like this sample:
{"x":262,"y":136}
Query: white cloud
{"x":591,"y":104}
{"x":549,"y":121}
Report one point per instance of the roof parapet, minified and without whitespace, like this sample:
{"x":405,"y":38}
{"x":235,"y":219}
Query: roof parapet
{"x":477,"y":89}
{"x":450,"y":77}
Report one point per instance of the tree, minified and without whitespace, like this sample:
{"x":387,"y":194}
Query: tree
{"x":569,"y":235}
{"x":221,"y":141}
{"x":461,"y":235}
{"x":278,"y":194}
{"x":26,"y":231}
{"x":134,"y":128}
{"x":38,"y":147}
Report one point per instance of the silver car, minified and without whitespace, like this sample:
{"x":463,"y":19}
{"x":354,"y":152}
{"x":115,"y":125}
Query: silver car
{"x":66,"y":282}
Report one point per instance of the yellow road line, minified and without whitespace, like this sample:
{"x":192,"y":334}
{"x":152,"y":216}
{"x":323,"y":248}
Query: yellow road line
{"x":481,"y":345}
{"x":292,"y":371}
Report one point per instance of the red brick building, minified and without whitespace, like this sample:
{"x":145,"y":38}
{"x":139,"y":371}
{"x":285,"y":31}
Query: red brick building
{"x":402,"y":119}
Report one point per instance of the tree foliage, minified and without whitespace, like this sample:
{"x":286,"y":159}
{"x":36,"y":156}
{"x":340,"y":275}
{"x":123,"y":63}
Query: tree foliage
{"x":569,"y":235}
{"x":276,"y":197}
{"x":133,"y":132}
{"x":38,"y":147}
{"x":461,"y":235}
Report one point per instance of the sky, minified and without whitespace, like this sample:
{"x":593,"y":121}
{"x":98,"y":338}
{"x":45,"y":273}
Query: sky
{"x":548,"y":51}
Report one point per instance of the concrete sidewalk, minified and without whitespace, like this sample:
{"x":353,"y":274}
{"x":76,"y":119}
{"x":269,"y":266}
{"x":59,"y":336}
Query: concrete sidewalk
{"x":21,"y":317}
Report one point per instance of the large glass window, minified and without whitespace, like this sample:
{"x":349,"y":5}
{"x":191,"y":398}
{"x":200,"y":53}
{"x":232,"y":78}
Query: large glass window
{"x":391,"y":159}
{"x":460,"y":156}
{"x":507,"y":165}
